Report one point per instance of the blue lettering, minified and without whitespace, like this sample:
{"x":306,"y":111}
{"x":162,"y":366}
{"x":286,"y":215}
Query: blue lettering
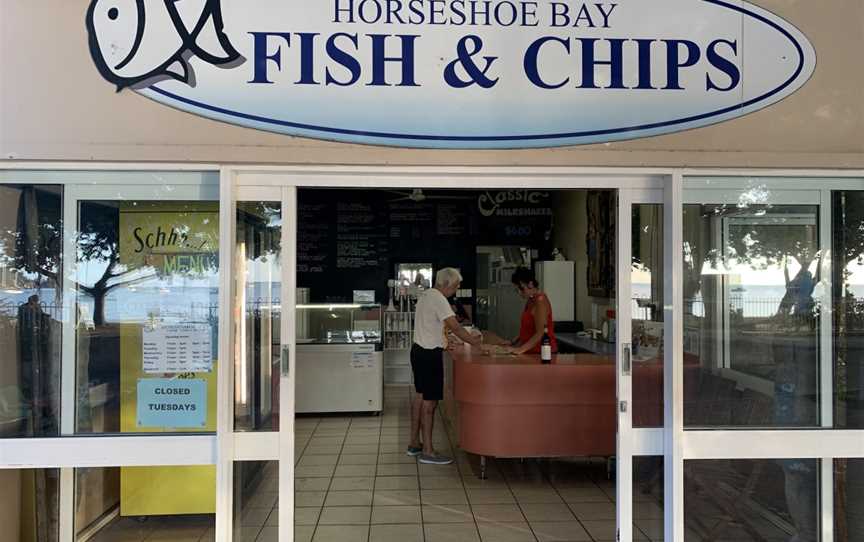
{"x":560,"y":14}
{"x":307,"y":59}
{"x":583,"y":14}
{"x":458,"y":9}
{"x":605,"y":13}
{"x":260,"y":56}
{"x":723,"y":64}
{"x":416,"y":7}
{"x":530,"y":62}
{"x":362,"y":9}
{"x":343,"y":59}
{"x":437,"y":11}
{"x":529,"y":14}
{"x":349,"y":10}
{"x":616,"y":63}
{"x":397,"y":11}
{"x":513,"y":13}
{"x":644,"y":51}
{"x":674,"y":62}
{"x":380,"y":59}
{"x":475,"y":14}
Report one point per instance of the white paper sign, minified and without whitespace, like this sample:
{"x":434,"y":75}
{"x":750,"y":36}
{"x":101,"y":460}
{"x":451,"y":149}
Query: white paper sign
{"x":362,"y":360}
{"x":177,"y":348}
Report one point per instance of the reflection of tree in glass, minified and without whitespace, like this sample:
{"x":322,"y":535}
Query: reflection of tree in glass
{"x":37,"y":236}
{"x":265,"y":219}
{"x":98,"y":241}
{"x":848,"y":254}
{"x":773,"y":241}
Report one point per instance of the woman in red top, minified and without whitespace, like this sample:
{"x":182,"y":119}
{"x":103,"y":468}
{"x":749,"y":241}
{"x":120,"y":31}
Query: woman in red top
{"x":536,"y":315}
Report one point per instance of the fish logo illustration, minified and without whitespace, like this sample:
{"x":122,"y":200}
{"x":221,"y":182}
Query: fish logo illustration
{"x":136,"y":43}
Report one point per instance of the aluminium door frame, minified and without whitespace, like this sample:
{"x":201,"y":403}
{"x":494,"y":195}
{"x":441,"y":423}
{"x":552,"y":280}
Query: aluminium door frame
{"x":631,"y":442}
{"x":630,"y":189}
{"x":235,"y":446}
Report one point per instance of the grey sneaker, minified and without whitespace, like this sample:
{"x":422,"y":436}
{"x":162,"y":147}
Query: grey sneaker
{"x":413,"y":452}
{"x":435,"y":459}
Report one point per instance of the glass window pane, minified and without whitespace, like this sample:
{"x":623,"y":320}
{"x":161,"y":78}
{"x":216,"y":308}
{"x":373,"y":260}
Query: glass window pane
{"x":145,"y":503}
{"x":29,"y":504}
{"x":31,"y":275}
{"x":646,"y":279}
{"x":848,"y":305}
{"x":256,"y":501}
{"x":257,"y":331}
{"x":756,"y":500}
{"x":648,"y":498}
{"x":751,"y":320}
{"x":849,"y":500}
{"x":147,"y":285}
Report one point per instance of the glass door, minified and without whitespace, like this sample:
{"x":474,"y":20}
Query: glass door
{"x":640,"y":363}
{"x":260,"y":282}
{"x":770,"y":393}
{"x":348,"y":477}
{"x":139,"y":349}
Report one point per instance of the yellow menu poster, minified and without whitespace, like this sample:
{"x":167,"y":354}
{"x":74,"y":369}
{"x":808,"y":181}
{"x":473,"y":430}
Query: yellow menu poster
{"x":168,"y":365}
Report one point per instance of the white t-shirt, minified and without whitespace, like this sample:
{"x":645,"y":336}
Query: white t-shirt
{"x":432,"y":309}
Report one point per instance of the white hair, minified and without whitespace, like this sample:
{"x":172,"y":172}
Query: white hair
{"x":447,"y":277}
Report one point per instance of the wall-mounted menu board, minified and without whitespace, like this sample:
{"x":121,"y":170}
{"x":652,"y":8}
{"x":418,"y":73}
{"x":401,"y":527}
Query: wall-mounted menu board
{"x":452,"y":219}
{"x":313,"y":237}
{"x":361,"y":235}
{"x":352,"y":239}
{"x":412,"y":226}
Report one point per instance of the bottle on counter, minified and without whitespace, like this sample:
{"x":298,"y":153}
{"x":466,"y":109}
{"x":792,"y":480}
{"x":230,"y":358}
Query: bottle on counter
{"x":546,"y":347}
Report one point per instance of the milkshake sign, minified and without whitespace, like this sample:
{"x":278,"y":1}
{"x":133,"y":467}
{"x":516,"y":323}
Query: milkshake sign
{"x":453,"y":73}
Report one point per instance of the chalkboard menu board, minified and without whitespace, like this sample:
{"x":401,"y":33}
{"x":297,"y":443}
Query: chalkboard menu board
{"x":361,"y":236}
{"x":452,"y":219}
{"x":412,"y":226}
{"x":314,"y":237}
{"x":353,"y":239}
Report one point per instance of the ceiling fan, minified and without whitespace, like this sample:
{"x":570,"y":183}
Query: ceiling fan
{"x":417,"y":195}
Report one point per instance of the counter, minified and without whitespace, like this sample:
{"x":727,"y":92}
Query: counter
{"x":585,"y":344}
{"x":514,"y":406}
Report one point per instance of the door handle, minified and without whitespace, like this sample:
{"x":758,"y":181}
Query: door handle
{"x":625,"y":359}
{"x":285,"y":361}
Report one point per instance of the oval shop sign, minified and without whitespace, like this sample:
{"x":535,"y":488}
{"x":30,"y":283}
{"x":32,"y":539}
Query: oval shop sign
{"x":453,"y":73}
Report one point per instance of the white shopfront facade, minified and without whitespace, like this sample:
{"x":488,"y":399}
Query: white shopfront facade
{"x":62,"y":125}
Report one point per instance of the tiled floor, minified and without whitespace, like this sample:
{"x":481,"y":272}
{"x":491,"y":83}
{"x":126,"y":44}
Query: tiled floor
{"x":354,"y":483}
{"x":158,"y":529}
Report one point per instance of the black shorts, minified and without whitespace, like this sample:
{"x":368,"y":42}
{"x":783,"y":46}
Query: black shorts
{"x":428,"y":368}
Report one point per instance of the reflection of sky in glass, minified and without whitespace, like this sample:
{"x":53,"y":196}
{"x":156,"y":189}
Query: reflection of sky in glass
{"x":186,"y":304}
{"x":147,"y":295}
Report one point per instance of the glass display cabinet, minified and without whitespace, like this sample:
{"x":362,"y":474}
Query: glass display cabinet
{"x":338,"y":324}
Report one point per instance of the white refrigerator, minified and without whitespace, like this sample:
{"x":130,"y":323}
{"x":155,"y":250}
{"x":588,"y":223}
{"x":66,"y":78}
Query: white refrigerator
{"x":556,"y":279}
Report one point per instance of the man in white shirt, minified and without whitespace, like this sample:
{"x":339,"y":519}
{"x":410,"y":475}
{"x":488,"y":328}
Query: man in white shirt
{"x":432,"y":318}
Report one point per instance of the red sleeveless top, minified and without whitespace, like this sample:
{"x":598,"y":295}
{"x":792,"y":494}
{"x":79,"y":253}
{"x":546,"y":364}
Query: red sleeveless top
{"x":527,"y":329}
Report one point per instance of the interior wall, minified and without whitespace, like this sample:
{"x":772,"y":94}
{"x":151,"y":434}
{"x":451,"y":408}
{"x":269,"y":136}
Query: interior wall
{"x":648,"y":249}
{"x":569,"y":236}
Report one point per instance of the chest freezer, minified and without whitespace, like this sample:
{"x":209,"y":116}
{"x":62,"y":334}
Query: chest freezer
{"x":340,"y":360}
